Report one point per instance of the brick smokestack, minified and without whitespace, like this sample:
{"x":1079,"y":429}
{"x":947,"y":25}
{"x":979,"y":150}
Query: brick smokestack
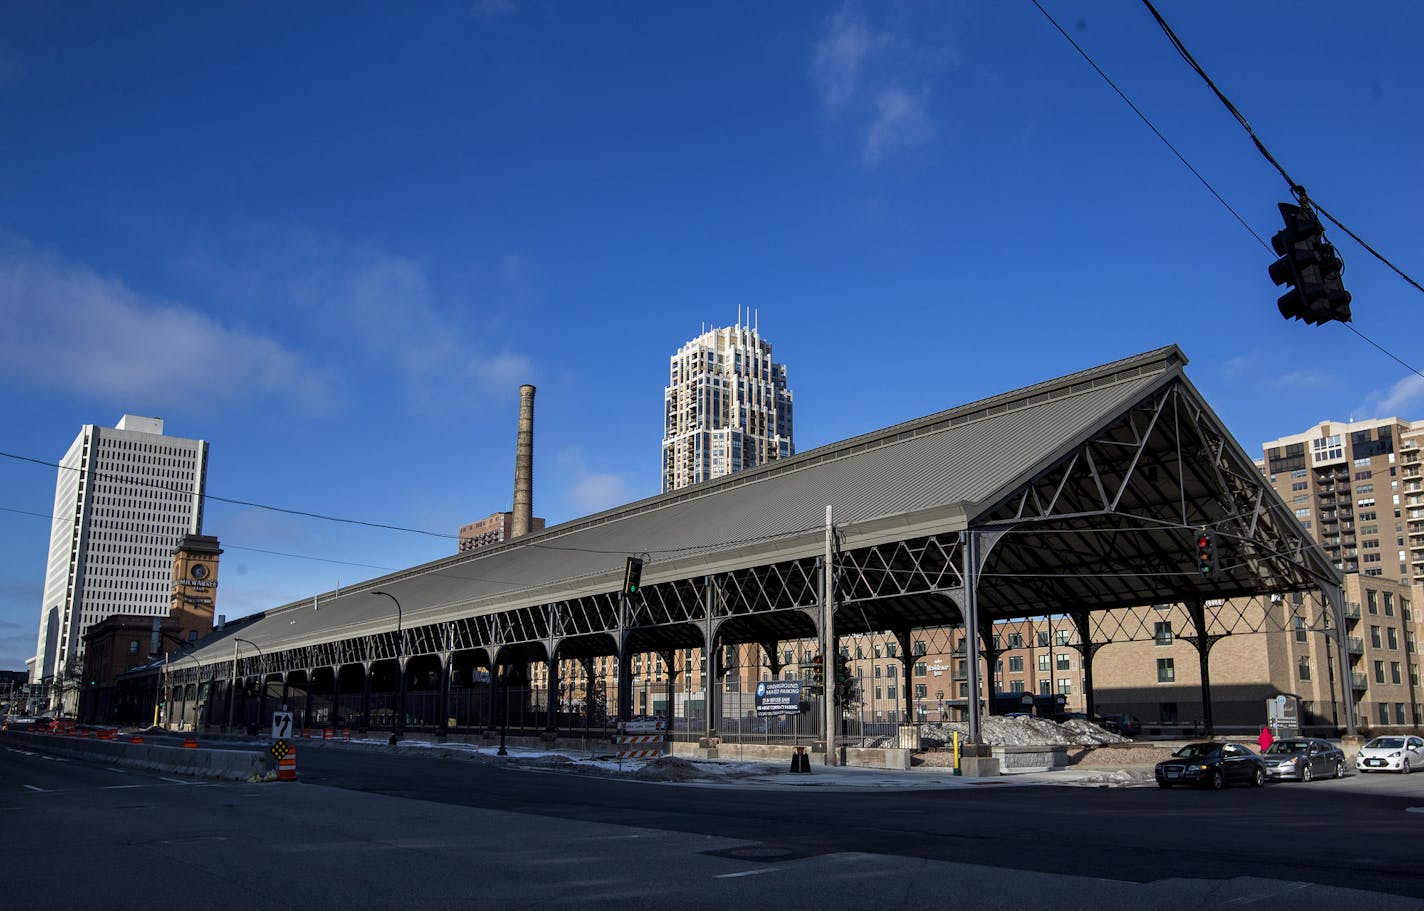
{"x":524,"y":465}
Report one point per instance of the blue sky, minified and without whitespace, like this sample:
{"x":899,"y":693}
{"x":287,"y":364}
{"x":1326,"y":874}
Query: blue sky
{"x":333,"y":239}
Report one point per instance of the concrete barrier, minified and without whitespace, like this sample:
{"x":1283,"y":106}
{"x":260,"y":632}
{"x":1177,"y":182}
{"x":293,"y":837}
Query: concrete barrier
{"x":1035,"y":758}
{"x":229,"y":765}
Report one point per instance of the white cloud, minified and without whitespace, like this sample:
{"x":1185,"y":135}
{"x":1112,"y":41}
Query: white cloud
{"x":493,"y":9}
{"x":838,"y":63}
{"x":12,"y":70}
{"x":1402,"y":399}
{"x":68,"y":327}
{"x":901,"y":123}
{"x":587,"y":490}
{"x":377,"y":306}
{"x":877,"y":79}
{"x":1296,"y":379}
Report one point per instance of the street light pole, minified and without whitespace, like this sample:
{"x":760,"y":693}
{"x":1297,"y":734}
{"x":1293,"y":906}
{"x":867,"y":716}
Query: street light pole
{"x":399,"y":726}
{"x":232,"y":690}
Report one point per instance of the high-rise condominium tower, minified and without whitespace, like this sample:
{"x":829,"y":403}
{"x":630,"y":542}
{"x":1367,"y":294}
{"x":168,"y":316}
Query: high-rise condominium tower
{"x":1357,"y":487}
{"x":726,"y":407}
{"x":124,"y":500}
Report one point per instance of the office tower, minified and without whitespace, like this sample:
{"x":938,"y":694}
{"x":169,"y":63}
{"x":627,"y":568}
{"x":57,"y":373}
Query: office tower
{"x":726,"y":407}
{"x":125,"y":498}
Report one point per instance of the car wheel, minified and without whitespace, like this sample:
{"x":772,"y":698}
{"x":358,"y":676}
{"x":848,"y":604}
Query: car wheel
{"x":1306,"y":774}
{"x":1218,"y":781}
{"x":1405,"y":768}
{"x":1260,"y":777}
{"x":1339,"y":769}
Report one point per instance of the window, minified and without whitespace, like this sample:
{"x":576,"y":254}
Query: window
{"x":1162,"y":632}
{"x":1043,"y":662}
{"x":1399,"y":713}
{"x":1062,"y":662}
{"x":1016,"y":686}
{"x":1392,"y":637}
{"x":133,"y":646}
{"x":891,"y":649}
{"x":1166,"y":671}
{"x":1372,"y":601}
{"x":921,"y":670}
{"x":997,"y":644}
{"x":1167,"y":711}
{"x":1300,"y":631}
{"x":1379,"y":672}
{"x":891,"y":670}
{"x":1043,"y":639}
{"x":920,"y":647}
{"x":1045,"y":687}
{"x":1304,"y":667}
{"x":1015,"y":640}
{"x":1016,"y":664}
{"x":1389,"y":604}
{"x":1061,"y":636}
{"x":921,"y":691}
{"x":1395,"y":672}
{"x":1375,"y":636}
{"x":1065,"y":685}
{"x":890,"y":692}
{"x":1383,"y":712}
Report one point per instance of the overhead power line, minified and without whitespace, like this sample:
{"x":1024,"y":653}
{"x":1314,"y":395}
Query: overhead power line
{"x":1295,"y":186}
{"x":144,"y":482}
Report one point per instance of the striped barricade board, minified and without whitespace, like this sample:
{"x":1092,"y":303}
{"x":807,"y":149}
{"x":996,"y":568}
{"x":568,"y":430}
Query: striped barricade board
{"x":640,"y":739}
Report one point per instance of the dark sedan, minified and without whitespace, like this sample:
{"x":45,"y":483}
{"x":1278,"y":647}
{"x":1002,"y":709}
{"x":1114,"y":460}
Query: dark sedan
{"x":1212,"y":765}
{"x":1304,"y":759}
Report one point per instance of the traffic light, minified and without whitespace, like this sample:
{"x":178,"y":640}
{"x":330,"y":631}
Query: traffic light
{"x":1311,"y":266}
{"x":818,"y":671}
{"x":845,"y":681}
{"x":1206,"y":552}
{"x":632,"y":576}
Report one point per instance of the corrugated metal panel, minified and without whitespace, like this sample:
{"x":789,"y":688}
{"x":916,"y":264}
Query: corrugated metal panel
{"x":967,"y":454}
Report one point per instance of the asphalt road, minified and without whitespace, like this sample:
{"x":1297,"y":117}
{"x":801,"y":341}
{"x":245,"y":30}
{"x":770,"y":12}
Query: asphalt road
{"x":375,"y":829}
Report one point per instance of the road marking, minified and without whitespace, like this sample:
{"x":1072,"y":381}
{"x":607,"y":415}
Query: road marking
{"x":109,"y":768}
{"x":33,"y":788}
{"x":1414,"y":809}
{"x":172,"y":780}
{"x":122,"y":787}
{"x":745,"y":873}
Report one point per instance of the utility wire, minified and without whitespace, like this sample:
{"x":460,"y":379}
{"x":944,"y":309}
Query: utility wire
{"x":143,"y":482}
{"x":1295,"y":187}
{"x":1150,"y":125}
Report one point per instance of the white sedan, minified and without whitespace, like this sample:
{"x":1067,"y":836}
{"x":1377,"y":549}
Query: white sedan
{"x":1401,"y":753}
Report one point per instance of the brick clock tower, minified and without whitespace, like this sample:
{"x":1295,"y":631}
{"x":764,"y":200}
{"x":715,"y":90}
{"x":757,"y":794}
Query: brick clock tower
{"x":195,"y":585}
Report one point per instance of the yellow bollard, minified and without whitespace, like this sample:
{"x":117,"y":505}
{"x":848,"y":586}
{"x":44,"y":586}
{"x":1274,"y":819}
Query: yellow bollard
{"x":956,"y":753}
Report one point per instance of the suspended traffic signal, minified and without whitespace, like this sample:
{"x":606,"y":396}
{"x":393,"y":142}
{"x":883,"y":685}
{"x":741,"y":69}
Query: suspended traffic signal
{"x":632,"y":576}
{"x":1206,"y":552}
{"x":818,"y":671}
{"x":1311,"y":267}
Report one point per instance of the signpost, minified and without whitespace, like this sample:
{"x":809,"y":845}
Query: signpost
{"x":281,"y":725}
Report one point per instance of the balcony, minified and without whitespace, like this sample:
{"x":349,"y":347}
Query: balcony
{"x":1359,"y":682}
{"x":1352,"y":611}
{"x":1355,"y":645}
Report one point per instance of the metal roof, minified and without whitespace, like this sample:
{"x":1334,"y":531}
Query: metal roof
{"x":924,"y":476}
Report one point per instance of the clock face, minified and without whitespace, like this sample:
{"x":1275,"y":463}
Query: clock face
{"x":198,"y":571}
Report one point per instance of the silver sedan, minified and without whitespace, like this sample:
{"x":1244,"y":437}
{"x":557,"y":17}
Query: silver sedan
{"x":1304,"y":759}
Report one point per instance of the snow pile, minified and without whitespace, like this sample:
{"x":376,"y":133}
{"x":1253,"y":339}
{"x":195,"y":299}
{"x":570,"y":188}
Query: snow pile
{"x":1022,"y":731}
